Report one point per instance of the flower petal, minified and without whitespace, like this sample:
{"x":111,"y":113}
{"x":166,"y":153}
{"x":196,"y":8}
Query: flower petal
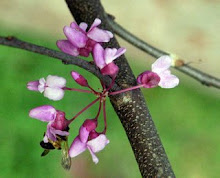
{"x":50,"y":135}
{"x":41,"y":86}
{"x":98,"y":56}
{"x":33,"y":85}
{"x":54,"y":93}
{"x":168,"y":80}
{"x":55,"y":81}
{"x":95,"y":23}
{"x":75,"y":36}
{"x":161,"y":64}
{"x":83,"y":134}
{"x":98,"y":143}
{"x":94,"y":157}
{"x":83,"y":26}
{"x":112,"y":55}
{"x":99,"y":35}
{"x":67,"y":47}
{"x":77,"y":147}
{"x":109,"y":54}
{"x":44,"y":113}
{"x":59,"y":132}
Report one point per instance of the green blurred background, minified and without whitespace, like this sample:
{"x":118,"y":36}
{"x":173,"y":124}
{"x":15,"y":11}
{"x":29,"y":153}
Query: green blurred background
{"x":187,"y":117}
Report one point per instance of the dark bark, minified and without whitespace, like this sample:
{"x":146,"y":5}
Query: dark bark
{"x":130,"y":107}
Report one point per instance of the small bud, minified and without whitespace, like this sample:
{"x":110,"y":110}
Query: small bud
{"x":148,"y":79}
{"x":79,"y":79}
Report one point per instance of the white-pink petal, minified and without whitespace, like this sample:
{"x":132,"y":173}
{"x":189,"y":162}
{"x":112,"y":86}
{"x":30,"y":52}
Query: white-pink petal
{"x":54,"y":93}
{"x":115,"y":54}
{"x":98,"y":56}
{"x":44,"y":113}
{"x":55,"y":81}
{"x":161,"y":64}
{"x":109,"y":54}
{"x":99,"y":35}
{"x":42,"y":85}
{"x":168,"y":80}
{"x":83,"y":26}
{"x":94,"y":157}
{"x":98,"y":143}
{"x":77,"y":147}
{"x":95,"y":24}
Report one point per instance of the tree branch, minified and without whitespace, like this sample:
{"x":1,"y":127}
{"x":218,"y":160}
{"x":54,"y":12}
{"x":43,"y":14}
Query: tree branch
{"x":130,"y":107}
{"x":65,"y":58}
{"x":200,"y":76}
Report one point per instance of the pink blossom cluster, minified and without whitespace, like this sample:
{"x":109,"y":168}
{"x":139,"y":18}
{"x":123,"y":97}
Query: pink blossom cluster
{"x":81,"y":41}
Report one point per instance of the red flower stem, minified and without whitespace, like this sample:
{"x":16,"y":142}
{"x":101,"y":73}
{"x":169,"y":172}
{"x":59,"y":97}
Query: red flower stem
{"x":93,"y":91}
{"x":105,"y":118}
{"x":112,"y":83}
{"x":100,"y":106}
{"x":79,"y":90}
{"x":84,"y":109}
{"x":103,"y":85}
{"x":125,"y":90}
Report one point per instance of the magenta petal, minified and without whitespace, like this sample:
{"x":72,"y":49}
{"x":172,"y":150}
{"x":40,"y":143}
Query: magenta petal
{"x":76,"y":37}
{"x":99,"y":35}
{"x":98,"y":143}
{"x":44,"y":113}
{"x":77,"y":147}
{"x":161,"y":64}
{"x":83,"y":134}
{"x":110,"y":69}
{"x":98,"y":56}
{"x":33,"y":85}
{"x":67,"y":47}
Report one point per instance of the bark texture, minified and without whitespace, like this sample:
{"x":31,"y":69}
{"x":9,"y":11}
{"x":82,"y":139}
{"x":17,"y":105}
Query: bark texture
{"x":130,"y":106}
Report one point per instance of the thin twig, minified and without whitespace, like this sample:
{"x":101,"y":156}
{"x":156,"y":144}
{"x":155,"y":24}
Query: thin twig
{"x":200,"y":76}
{"x":65,"y":58}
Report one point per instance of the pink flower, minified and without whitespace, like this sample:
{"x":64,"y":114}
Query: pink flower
{"x":57,"y":123}
{"x":79,"y":79}
{"x":104,"y":59}
{"x":52,"y":87}
{"x":81,"y":42}
{"x":160,"y":75}
{"x":89,"y":139}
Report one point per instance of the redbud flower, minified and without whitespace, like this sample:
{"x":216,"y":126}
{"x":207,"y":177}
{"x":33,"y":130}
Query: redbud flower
{"x":160,"y":75}
{"x":104,"y":59}
{"x":52,"y":87}
{"x":79,"y":79}
{"x":81,"y":42}
{"x":89,"y":139}
{"x":57,"y":123}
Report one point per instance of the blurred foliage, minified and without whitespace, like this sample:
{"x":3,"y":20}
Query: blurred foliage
{"x":187,"y":119}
